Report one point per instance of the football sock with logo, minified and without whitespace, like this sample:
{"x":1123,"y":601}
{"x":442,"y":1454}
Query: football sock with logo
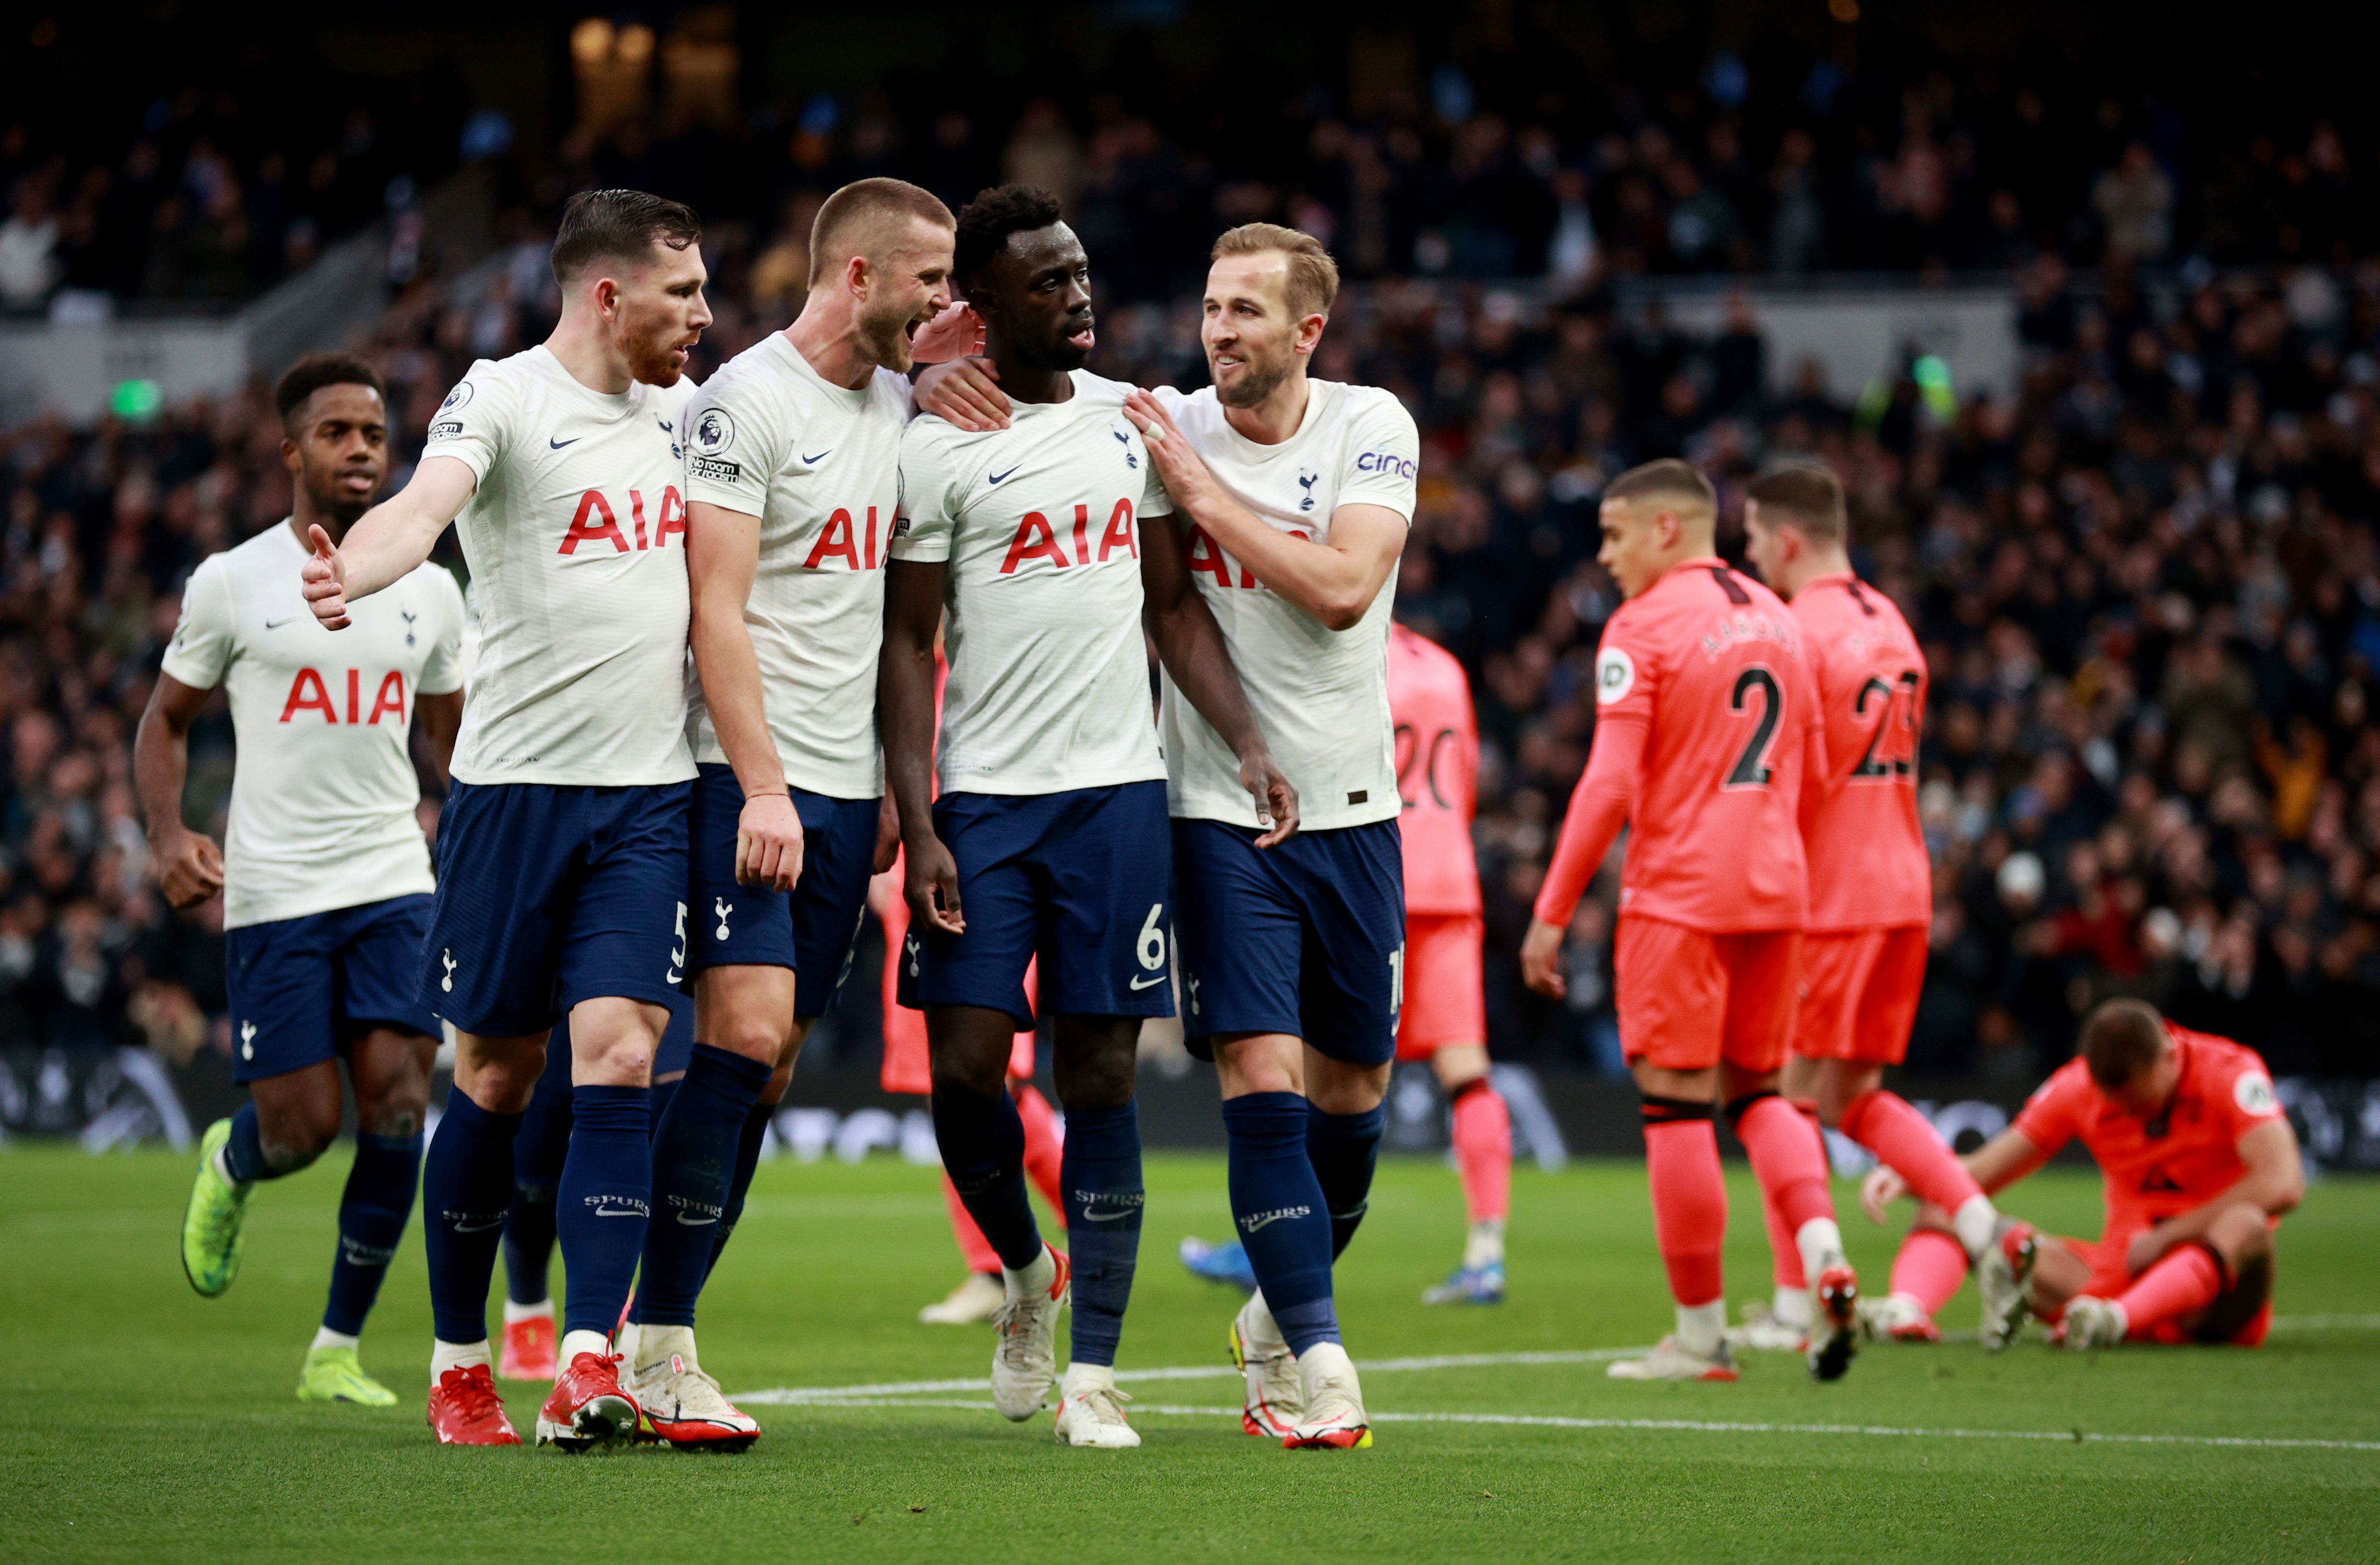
{"x":1930,"y":1267}
{"x":1902,"y":1139}
{"x":982,"y":1142}
{"x":1346,"y":1151}
{"x":466,"y":1191}
{"x":1102,"y":1177}
{"x":1277,"y":1203}
{"x":2186,"y":1278}
{"x":538,"y":1151}
{"x":972,"y":1247}
{"x":372,"y":1211}
{"x":749,"y":1143}
{"x":603,"y":1204}
{"x":242,"y":1159}
{"x":1044,"y":1146}
{"x":1483,"y":1149}
{"x":1689,"y":1195}
{"x":693,"y":1168}
{"x":1790,"y":1159}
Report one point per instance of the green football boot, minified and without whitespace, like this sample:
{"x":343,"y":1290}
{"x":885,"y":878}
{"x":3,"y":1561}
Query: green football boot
{"x":210,"y":1227}
{"x":333,"y":1375}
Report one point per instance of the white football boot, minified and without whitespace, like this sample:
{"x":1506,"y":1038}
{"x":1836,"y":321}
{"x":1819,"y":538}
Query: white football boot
{"x":1333,"y":1418}
{"x":2095,"y":1323}
{"x":2003,"y":1275}
{"x":1024,"y":1359}
{"x":1090,"y":1410}
{"x":970,"y":1303}
{"x":1670,"y":1362}
{"x":1271,"y":1396}
{"x":682,"y":1404}
{"x":1896,"y":1318}
{"x":1766,"y":1330}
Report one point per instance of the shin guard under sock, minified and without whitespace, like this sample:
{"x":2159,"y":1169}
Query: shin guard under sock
{"x":1104,"y":1200}
{"x":467,"y":1190}
{"x":1346,"y":1151}
{"x":1930,"y":1267}
{"x":603,"y":1203}
{"x":1789,"y":1158}
{"x":1483,"y":1149}
{"x":1277,"y":1203}
{"x":1689,"y":1195}
{"x":373,"y":1212}
{"x":982,"y":1143}
{"x":754,"y":1136}
{"x":693,"y":1167}
{"x":2185,"y":1279}
{"x":1885,"y":1123}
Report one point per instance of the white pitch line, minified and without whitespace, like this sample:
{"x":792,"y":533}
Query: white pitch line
{"x":1702,"y":1427}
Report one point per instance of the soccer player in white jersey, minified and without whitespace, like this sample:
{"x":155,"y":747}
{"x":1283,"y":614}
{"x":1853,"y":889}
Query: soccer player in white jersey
{"x":792,"y":475}
{"x":325,"y":877}
{"x":1047,"y":545}
{"x":562,"y":849}
{"x":1298,"y":495}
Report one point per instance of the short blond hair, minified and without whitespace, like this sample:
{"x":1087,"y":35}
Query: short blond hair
{"x":1313,"y":284}
{"x":863,"y":219}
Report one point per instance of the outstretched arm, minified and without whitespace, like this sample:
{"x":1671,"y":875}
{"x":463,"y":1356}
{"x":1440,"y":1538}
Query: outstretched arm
{"x":1997,"y":1164}
{"x":189,"y":865}
{"x":388,"y":540}
{"x":1191,"y":644}
{"x":2274,"y":1182}
{"x":723,"y":553}
{"x":1600,"y":807}
{"x":1335,"y":582}
{"x":904,"y":713}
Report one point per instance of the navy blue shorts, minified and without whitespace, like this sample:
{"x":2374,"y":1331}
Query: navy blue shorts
{"x":549,"y":894}
{"x":1307,"y":938}
{"x":302,"y":988}
{"x":811,"y":928}
{"x":1078,"y":879}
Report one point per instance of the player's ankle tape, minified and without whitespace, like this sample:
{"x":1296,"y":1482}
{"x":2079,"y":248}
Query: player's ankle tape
{"x":1738,"y":1107}
{"x":1658,"y":1110}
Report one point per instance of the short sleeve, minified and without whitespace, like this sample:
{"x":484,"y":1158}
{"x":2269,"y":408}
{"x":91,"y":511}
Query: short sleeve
{"x":1155,"y":499}
{"x":475,"y":423}
{"x":1626,"y":670}
{"x":2250,"y":1099}
{"x":2052,"y":1116}
{"x":1383,"y":456}
{"x":202,"y":645}
{"x":924,"y":520}
{"x":442,"y":672}
{"x":733,"y":444}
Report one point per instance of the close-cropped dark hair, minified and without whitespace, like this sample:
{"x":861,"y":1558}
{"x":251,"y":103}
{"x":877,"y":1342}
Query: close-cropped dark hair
{"x":1807,"y":495}
{"x":316,"y":370}
{"x":986,"y":222}
{"x":622,"y":225}
{"x":2120,"y":1040}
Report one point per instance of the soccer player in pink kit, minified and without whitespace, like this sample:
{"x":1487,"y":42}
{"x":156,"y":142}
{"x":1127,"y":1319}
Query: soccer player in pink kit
{"x":1444,"y":1019}
{"x":1871,"y":900}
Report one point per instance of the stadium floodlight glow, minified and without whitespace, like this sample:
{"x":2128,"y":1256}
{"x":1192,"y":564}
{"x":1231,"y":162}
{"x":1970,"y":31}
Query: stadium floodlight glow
{"x":1931,"y":373}
{"x":590,"y":40}
{"x":136,"y":401}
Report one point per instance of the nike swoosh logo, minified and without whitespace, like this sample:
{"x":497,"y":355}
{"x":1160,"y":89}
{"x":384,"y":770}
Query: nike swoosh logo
{"x":1148,"y":983}
{"x":1265,"y":1221}
{"x":558,"y":444}
{"x":276,"y":624}
{"x":616,"y":1212}
{"x":830,"y":451}
{"x":1090,"y":1216}
{"x":997,"y":477}
{"x":479,"y":1227}
{"x":685,"y":1221}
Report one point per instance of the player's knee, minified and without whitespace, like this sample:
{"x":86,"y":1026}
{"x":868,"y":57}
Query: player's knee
{"x":2241,"y":1233}
{"x":397,"y":1112}
{"x":294,"y":1138}
{"x":752,"y":1034}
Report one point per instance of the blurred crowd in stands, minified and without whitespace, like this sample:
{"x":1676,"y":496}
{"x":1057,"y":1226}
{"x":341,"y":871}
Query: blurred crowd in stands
{"x":1521,"y":164}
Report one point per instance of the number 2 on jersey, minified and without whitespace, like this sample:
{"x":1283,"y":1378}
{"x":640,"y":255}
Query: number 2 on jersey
{"x":1898,"y":766}
{"x":1750,"y":769}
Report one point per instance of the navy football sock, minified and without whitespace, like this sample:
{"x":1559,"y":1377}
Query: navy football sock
{"x":243,"y":1154}
{"x":372,"y":1211}
{"x":694,"y":1166}
{"x":1100,"y":1172}
{"x":982,"y":1143}
{"x":467,"y":1188}
{"x":1344,"y":1149}
{"x":1277,"y":1205}
{"x":600,"y":1210}
{"x":747,"y":1164}
{"x":665,"y":1094}
{"x":529,"y":1244}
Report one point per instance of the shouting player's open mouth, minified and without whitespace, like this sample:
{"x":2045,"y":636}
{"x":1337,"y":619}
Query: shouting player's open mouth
{"x":1082,"y":337}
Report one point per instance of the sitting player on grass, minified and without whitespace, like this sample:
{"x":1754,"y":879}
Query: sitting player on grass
{"x":2199,"y":1167}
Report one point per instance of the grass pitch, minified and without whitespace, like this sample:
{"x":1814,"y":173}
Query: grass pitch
{"x":149,"y":1423}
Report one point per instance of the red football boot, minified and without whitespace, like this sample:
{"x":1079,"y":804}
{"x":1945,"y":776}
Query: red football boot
{"x":587,"y":1407}
{"x":465,"y":1410}
{"x":529,"y":1349}
{"x":1834,"y":1324}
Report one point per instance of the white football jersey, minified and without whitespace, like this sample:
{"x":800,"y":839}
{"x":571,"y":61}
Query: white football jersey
{"x":1319,"y":696}
{"x":1049,"y":684}
{"x":322,"y":799}
{"x":819,"y":465}
{"x":577,"y":544}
